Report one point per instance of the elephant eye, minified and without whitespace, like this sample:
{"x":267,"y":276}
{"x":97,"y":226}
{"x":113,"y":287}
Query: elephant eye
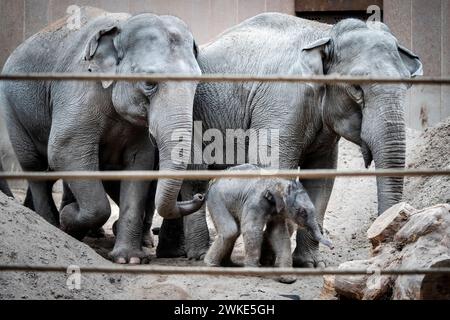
{"x":149,"y":87}
{"x":356,"y":93}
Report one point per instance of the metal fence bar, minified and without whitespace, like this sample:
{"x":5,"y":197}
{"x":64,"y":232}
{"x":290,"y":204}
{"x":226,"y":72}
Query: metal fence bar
{"x":210,"y":174}
{"x":221,"y":271}
{"x":330,"y":79}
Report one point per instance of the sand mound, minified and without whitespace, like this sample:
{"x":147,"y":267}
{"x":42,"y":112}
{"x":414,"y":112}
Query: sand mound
{"x":28,"y":239}
{"x":430,"y":150}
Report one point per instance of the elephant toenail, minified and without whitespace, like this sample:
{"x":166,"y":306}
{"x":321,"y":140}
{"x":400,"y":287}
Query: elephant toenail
{"x":121,"y":260}
{"x":135,"y":260}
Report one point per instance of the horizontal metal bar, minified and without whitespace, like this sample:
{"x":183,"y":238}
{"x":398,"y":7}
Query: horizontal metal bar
{"x":210,"y":174}
{"x":222,"y":78}
{"x":220,"y":271}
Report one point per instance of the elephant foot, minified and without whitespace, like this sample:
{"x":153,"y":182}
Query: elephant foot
{"x":196,"y":253}
{"x":71,"y":229}
{"x":306,"y":254}
{"x":171,"y":239}
{"x":123,"y":255}
{"x":147,"y":236}
{"x":78,"y":223}
{"x":147,"y":240}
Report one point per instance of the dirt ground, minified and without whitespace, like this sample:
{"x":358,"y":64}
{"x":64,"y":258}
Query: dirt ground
{"x":27,"y":239}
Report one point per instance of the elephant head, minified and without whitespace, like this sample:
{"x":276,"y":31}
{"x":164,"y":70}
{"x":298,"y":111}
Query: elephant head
{"x":150,"y":44}
{"x":291,"y":200}
{"x":370,"y":115}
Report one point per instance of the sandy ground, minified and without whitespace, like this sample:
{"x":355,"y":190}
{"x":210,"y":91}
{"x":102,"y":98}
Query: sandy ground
{"x":26,"y":238}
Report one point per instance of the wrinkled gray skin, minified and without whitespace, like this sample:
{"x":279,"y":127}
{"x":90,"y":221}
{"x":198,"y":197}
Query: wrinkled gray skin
{"x":247,"y":206}
{"x":311,"y":118}
{"x":4,"y":185}
{"x":104,"y":125}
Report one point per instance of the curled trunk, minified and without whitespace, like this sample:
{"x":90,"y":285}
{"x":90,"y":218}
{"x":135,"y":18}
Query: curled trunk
{"x":170,"y":122}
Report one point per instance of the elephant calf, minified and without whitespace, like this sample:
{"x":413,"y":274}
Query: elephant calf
{"x":247,"y":206}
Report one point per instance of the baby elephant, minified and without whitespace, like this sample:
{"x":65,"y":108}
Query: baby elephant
{"x":250,"y":205}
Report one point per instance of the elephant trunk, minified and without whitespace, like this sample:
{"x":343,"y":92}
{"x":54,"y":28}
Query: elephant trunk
{"x":384,"y":141}
{"x":315,"y":230}
{"x":173,"y":136}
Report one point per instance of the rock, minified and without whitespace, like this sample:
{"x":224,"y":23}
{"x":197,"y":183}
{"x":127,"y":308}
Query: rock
{"x":328,"y":291}
{"x":388,"y":223}
{"x":403,"y":238}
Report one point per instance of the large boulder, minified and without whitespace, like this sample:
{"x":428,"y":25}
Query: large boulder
{"x":402,"y":238}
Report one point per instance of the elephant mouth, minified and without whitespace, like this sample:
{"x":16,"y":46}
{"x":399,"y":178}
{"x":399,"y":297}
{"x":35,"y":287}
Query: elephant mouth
{"x":138,"y":120}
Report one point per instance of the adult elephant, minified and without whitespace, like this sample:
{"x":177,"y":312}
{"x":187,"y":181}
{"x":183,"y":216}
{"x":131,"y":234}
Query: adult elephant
{"x":310,"y":118}
{"x":72,"y":125}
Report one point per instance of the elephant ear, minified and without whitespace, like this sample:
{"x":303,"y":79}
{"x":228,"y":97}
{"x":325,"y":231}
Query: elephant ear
{"x":411,"y":61}
{"x":275,"y":199}
{"x":102,"y":54}
{"x":316,"y":55}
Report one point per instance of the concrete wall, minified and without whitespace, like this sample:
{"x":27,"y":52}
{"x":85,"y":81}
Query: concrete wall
{"x":423,"y":26}
{"x":20,"y":19}
{"x":420,"y":25}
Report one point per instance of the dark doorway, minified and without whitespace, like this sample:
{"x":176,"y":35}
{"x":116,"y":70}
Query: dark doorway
{"x":331,"y":12}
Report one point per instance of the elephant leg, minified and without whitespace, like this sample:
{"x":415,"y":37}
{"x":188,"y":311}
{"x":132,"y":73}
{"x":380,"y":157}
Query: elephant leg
{"x":39,"y":194}
{"x":5,"y":188}
{"x":227,"y":232}
{"x":28,"y":202}
{"x":128,"y":245}
{"x":91,"y":209}
{"x":280,"y":240}
{"x":196,"y":233}
{"x":42,"y":199}
{"x":171,"y":239}
{"x":68,"y":198}
{"x":113,"y":190}
{"x":252,"y":226}
{"x":133,"y":206}
{"x":147,"y":237}
{"x":185,"y":237}
{"x":306,"y":253}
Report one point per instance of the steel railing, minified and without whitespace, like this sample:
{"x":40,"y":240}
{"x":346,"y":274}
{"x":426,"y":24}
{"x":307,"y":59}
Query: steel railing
{"x":206,"y":175}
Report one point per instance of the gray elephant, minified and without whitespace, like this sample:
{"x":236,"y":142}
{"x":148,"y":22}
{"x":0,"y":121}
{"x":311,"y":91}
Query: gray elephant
{"x":104,"y":125}
{"x":247,"y":206}
{"x":310,"y":118}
